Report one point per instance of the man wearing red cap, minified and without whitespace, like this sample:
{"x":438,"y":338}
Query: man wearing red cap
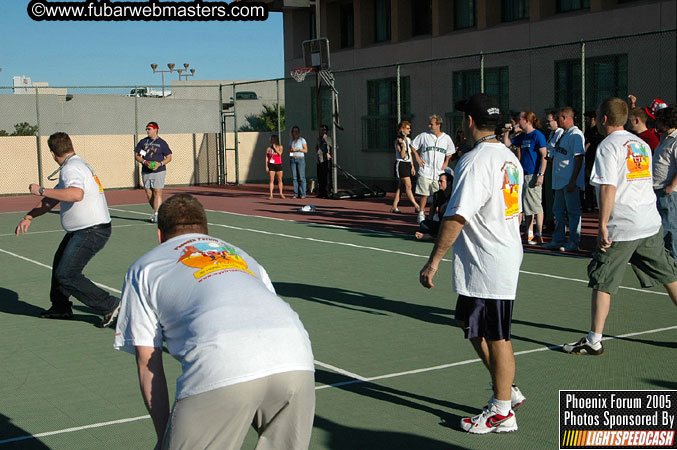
{"x":153,"y":153}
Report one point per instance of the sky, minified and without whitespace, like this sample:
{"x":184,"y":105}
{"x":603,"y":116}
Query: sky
{"x":120,"y":53}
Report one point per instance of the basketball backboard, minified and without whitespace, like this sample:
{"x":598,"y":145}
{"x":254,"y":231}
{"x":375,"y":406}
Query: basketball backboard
{"x":316,"y":53}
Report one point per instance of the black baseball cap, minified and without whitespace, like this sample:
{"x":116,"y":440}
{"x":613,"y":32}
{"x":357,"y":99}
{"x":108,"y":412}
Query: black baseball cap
{"x":483,"y":108}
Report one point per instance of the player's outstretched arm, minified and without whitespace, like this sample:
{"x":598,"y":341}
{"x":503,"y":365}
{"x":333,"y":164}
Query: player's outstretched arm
{"x":45,"y":204}
{"x":153,"y":387}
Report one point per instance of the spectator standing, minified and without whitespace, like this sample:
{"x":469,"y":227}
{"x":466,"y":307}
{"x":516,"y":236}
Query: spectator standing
{"x":531,"y":144}
{"x":154,"y":154}
{"x":567,"y":182}
{"x":482,"y":223}
{"x":432,"y":151}
{"x":86,"y":220}
{"x":629,"y":224}
{"x":246,"y":358}
{"x":592,"y":140}
{"x":404,"y":166}
{"x":297,"y":152}
{"x":553,"y":131}
{"x":665,"y":175}
{"x":323,"y":149}
{"x":637,"y":119}
{"x":274,"y":165}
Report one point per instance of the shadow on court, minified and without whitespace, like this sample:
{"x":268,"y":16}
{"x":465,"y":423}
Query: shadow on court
{"x":348,"y":438}
{"x":10,"y":431}
{"x":366,"y":303}
{"x":664,"y":384}
{"x":10,"y":304}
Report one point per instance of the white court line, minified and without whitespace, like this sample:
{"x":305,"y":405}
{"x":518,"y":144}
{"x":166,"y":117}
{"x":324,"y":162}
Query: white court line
{"x":341,"y":371}
{"x":71,"y":430}
{"x":103,"y":286}
{"x":472,"y":361}
{"x":356,"y":381}
{"x":62,"y":231}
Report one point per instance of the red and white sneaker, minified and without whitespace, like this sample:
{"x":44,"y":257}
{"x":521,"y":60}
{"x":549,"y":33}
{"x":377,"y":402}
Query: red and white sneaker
{"x":490,"y":421}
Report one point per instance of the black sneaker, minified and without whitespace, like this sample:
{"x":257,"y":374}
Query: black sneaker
{"x":109,"y":317}
{"x":57,"y":312}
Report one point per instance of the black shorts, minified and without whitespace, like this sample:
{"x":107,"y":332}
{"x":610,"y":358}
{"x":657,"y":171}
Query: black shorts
{"x":402,"y":169}
{"x":485,"y":318}
{"x":275,"y":167}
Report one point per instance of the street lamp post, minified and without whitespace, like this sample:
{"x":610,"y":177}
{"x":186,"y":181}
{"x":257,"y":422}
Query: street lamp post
{"x":185,"y":68}
{"x":171,"y":69}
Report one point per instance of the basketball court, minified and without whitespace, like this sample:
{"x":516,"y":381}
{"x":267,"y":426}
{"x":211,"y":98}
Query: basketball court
{"x":392,"y":372}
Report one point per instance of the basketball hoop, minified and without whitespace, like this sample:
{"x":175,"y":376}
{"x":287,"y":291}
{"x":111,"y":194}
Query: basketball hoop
{"x":300,"y":74}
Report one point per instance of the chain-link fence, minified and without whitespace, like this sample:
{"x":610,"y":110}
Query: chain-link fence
{"x":219,"y":131}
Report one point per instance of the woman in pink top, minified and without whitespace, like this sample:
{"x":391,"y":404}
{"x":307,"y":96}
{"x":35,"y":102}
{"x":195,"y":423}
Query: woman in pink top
{"x":274,"y":165}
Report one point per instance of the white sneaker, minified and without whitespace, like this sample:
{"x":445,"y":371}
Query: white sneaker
{"x":153,"y":218}
{"x":516,"y":397}
{"x":421,"y":217}
{"x":490,"y":421}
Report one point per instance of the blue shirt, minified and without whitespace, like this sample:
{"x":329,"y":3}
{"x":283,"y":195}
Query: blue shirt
{"x":155,"y":150}
{"x":530,"y":157}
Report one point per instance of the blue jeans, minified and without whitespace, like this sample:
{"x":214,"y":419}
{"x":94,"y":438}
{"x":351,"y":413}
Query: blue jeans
{"x":667,"y":208}
{"x":567,"y":202}
{"x":77,"y":248}
{"x":298,"y":175}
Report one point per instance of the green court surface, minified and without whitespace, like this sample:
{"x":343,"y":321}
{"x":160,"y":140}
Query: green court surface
{"x":392,"y":371}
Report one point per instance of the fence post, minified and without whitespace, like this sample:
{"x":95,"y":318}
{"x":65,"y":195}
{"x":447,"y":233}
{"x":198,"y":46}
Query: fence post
{"x":220,"y":150}
{"x":137,"y":184}
{"x":237,"y":153}
{"x":38,"y":135}
{"x":482,"y":72}
{"x":582,"y":86}
{"x":279,"y":125}
{"x":399,"y":97}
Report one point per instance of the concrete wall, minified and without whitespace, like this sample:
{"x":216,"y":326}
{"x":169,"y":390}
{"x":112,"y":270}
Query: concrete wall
{"x":194,"y":160}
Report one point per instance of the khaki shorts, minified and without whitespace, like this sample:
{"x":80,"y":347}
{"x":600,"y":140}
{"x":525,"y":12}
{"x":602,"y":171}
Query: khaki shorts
{"x":279,"y":407}
{"x":153,"y":180}
{"x":426,"y":186}
{"x":532,"y":198}
{"x":650,"y":261}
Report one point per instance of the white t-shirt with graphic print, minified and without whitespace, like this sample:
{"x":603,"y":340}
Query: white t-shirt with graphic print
{"x":216,"y":309}
{"x":487,"y":194}
{"x":623,"y":160}
{"x":433,"y":150}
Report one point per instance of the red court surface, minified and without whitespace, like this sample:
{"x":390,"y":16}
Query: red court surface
{"x":252,"y":199}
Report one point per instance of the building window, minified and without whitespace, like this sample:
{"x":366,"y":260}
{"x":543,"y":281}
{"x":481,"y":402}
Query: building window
{"x":465,"y":14}
{"x":467,"y":83}
{"x":572,"y":5}
{"x":347,"y":25}
{"x":379,"y":126}
{"x":605,"y":76}
{"x":421,"y":17}
{"x":325,"y":94}
{"x":382,"y":20}
{"x":514,"y":10}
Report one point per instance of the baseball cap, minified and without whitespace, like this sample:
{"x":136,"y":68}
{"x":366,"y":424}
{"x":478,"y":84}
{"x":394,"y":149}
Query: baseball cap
{"x":483,"y":108}
{"x":655,"y":106}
